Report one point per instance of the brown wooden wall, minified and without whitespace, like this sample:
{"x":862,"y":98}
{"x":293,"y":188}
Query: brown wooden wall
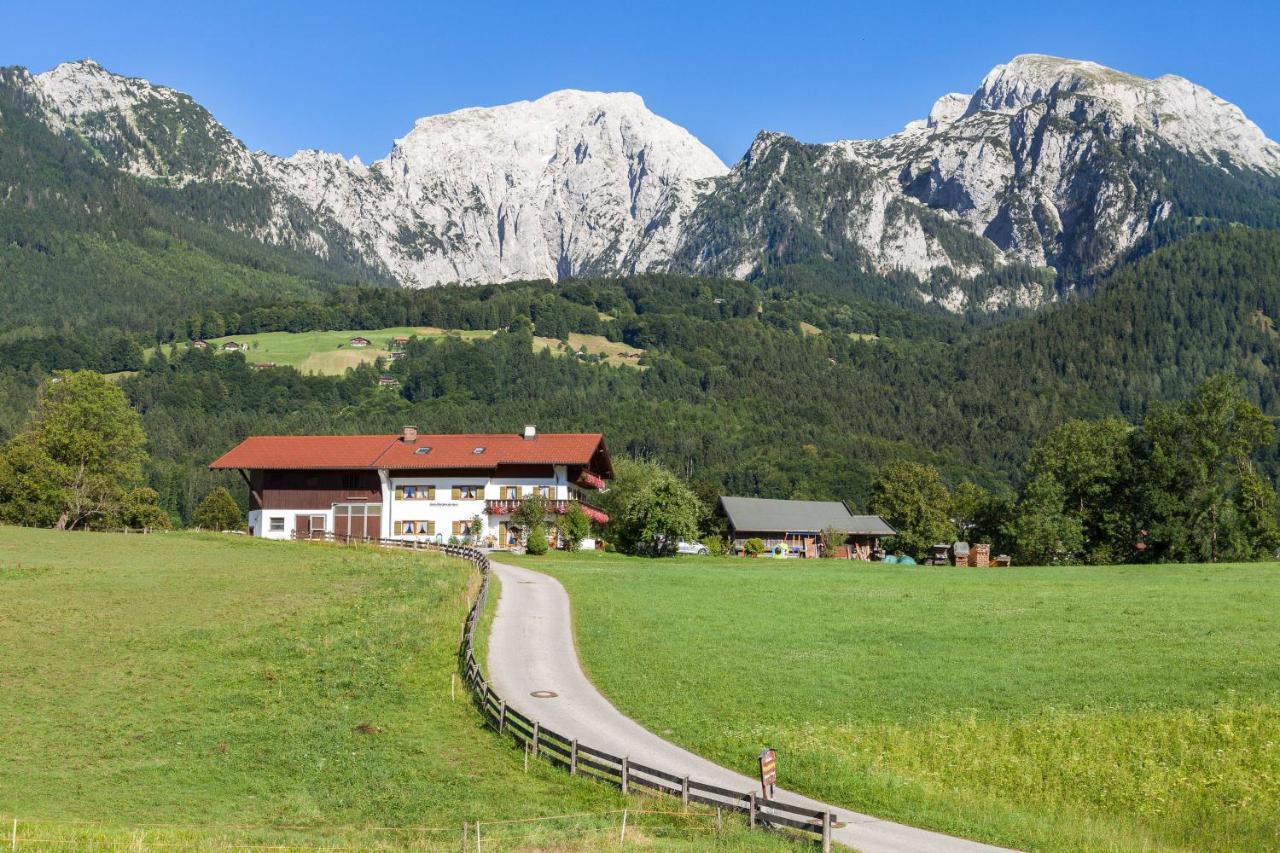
{"x":312,"y":489}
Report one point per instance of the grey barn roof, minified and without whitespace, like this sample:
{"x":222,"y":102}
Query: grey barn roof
{"x":773,"y":516}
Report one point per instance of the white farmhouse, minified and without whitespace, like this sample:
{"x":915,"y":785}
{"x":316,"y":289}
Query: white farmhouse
{"x":414,"y":487}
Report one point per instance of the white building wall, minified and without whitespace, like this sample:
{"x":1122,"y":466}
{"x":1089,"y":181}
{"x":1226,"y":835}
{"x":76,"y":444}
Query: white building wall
{"x":444,"y":510}
{"x":260,"y":521}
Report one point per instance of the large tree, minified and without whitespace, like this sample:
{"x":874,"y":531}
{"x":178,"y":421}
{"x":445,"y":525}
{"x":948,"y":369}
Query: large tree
{"x":650,"y":509}
{"x":914,"y":500}
{"x":1196,"y":492}
{"x":79,"y":462}
{"x":1089,"y":460}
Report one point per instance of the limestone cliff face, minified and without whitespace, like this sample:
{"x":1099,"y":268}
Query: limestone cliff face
{"x":1049,"y":163}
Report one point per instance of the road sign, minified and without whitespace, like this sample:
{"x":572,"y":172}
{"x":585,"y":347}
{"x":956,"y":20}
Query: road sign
{"x":768,"y":771}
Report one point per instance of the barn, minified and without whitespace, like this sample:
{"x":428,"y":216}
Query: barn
{"x":796,"y":527}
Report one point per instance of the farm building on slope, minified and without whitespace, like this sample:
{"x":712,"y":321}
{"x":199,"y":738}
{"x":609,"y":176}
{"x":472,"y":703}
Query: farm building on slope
{"x":797,"y":526}
{"x":414,"y":487}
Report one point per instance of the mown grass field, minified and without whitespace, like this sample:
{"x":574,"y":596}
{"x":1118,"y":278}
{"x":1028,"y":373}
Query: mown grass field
{"x":615,"y":353}
{"x":331,"y":353}
{"x":210,"y":690}
{"x":1113,"y":708}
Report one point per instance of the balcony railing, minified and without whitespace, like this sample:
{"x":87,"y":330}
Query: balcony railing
{"x":508,"y":506}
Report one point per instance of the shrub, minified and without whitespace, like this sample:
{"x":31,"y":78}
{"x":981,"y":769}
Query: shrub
{"x":753,"y":547}
{"x":537,"y":544}
{"x":218,"y":511}
{"x":716,"y":546}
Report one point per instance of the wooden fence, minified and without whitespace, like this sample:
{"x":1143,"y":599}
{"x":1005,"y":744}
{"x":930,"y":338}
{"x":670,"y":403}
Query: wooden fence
{"x":584,"y":760}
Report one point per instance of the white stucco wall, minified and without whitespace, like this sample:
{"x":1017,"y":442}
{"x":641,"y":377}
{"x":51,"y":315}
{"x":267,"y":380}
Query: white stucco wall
{"x":260,"y":521}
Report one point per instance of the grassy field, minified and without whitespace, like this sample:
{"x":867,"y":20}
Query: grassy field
{"x":331,"y":353}
{"x":614,"y":352}
{"x":208,"y":690}
{"x":1118,"y":708}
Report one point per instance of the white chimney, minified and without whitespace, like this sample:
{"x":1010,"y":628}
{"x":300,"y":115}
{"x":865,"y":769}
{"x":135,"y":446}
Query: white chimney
{"x":410,"y":435}
{"x":530,"y":432}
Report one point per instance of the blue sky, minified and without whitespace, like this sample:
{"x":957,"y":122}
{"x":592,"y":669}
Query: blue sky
{"x":351,"y":77}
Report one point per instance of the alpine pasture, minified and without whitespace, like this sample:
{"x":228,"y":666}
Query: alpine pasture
{"x":1064,"y":708}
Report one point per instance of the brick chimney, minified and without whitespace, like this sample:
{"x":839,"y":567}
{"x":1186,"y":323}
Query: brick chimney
{"x":530,"y":432}
{"x":410,"y":435}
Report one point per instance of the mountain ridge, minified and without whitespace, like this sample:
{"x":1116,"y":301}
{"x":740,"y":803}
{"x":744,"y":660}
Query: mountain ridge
{"x":1049,"y":164}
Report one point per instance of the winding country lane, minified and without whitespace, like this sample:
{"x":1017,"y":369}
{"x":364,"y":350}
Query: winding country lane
{"x":531,"y":650}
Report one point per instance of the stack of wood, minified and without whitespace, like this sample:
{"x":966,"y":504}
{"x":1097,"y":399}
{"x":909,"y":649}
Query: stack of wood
{"x":1003,"y":561}
{"x":980,"y":556}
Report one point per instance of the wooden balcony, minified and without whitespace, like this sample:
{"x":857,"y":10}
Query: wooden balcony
{"x":507,"y":507}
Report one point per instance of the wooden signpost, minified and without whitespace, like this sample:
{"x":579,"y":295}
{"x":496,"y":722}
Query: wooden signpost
{"x":768,"y":772}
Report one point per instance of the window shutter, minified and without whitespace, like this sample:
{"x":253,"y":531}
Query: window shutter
{"x":431,"y":528}
{"x":399,"y":493}
{"x":457,"y":528}
{"x":457,"y":492}
{"x":400,"y":531}
{"x":431,"y":493}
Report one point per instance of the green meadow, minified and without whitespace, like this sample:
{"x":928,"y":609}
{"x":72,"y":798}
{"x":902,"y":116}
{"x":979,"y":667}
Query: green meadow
{"x":330,"y":352}
{"x":200,"y":690}
{"x":1101,"y":708}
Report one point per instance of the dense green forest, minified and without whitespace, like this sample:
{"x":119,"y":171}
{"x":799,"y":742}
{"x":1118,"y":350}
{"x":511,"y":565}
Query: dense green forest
{"x":733,"y":393}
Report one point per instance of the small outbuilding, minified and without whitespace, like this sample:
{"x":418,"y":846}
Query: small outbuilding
{"x":796,"y":527}
{"x":360,"y":342}
{"x":232,"y":346}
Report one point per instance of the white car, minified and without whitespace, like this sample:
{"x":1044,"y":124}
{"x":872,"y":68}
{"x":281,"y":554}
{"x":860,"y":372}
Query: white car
{"x":697,"y":549}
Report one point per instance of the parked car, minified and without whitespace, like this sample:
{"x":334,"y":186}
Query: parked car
{"x":697,"y":549}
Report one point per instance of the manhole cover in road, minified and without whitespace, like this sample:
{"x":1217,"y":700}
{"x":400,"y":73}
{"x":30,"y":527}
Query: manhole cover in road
{"x":544,"y":694}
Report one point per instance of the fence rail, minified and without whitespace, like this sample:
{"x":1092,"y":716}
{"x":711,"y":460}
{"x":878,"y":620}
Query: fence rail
{"x":616,"y":770}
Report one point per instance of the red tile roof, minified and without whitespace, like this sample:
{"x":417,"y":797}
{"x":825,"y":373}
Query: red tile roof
{"x":277,"y":452}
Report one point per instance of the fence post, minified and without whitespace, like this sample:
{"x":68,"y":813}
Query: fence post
{"x":718,"y":824}
{"x":13,"y":839}
{"x":626,"y":775}
{"x":502,"y":716}
{"x":751,"y":810}
{"x":573,"y":757}
{"x":466,"y":835}
{"x":684,"y":793}
{"x":622,"y":839}
{"x":826,"y":832}
{"x":537,"y":731}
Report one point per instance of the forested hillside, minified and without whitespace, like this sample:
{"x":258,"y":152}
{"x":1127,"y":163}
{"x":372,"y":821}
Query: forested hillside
{"x":85,"y":245}
{"x":754,"y":392}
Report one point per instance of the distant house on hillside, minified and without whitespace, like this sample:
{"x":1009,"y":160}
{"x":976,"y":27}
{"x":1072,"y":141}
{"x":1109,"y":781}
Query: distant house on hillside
{"x":797,"y":526}
{"x":199,"y":345}
{"x":395,"y":355}
{"x":263,"y":365}
{"x":232,"y":346}
{"x":400,"y":342}
{"x":386,"y":380}
{"x":360,"y":342}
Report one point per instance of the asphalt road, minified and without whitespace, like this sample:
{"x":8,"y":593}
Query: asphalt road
{"x":531,"y":650}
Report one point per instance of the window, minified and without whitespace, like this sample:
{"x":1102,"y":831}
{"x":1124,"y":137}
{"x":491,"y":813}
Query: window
{"x":463,"y":528}
{"x":277,"y":523}
{"x":510,"y":493}
{"x":422,"y":451}
{"x":478,"y":451}
{"x":415,"y":528}
{"x":466,"y":493}
{"x":545,"y":491}
{"x":415,"y":493}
